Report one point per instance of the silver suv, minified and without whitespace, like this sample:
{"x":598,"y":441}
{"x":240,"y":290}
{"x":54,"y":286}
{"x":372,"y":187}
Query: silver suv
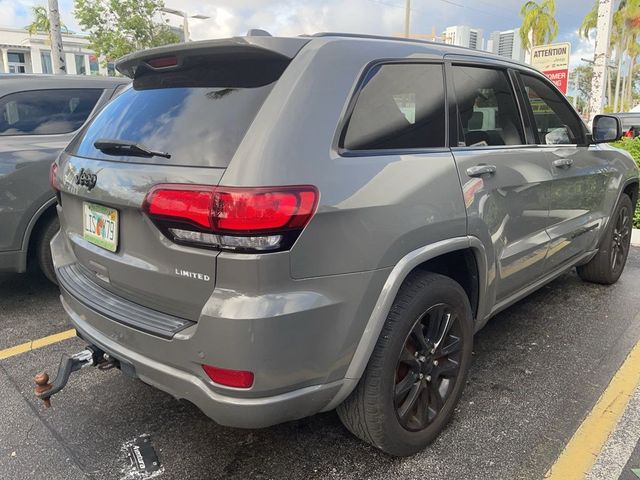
{"x":275,"y":227}
{"x":39,"y":115}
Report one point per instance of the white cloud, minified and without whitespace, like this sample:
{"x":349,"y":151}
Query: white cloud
{"x":580,"y":48}
{"x":288,"y":17}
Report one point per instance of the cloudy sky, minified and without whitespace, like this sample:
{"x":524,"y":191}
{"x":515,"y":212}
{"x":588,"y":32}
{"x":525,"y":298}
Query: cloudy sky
{"x":294,"y":17}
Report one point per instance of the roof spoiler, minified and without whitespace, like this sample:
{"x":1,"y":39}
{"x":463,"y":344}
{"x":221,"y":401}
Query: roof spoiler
{"x":172,"y":57}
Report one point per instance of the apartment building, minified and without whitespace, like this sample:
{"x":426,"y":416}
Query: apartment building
{"x":507,"y":44}
{"x":464,"y":36}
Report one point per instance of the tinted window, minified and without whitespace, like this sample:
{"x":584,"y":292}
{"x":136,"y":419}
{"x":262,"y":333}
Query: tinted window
{"x":487,"y":111}
{"x":399,"y":106}
{"x":555,"y":121}
{"x":45,"y":112}
{"x":196,"y":126}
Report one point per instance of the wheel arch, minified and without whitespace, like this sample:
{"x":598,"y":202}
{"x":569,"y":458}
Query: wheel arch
{"x":631,"y":189}
{"x":470,"y":271}
{"x":43,"y":214}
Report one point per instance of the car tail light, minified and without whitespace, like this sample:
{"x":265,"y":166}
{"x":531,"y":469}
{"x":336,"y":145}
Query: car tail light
{"x":229,"y":378}
{"x":53,"y":177}
{"x":163,"y":62}
{"x":232,"y":218}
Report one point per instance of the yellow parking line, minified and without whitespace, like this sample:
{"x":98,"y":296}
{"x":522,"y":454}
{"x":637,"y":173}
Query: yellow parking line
{"x":33,"y":344}
{"x":581,"y":452}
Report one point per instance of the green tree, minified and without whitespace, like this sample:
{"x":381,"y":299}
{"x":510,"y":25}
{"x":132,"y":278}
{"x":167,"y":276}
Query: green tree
{"x":589,"y":22}
{"x":539,"y":25}
{"x":40,"y":21}
{"x":119,"y":27}
{"x":624,"y":40}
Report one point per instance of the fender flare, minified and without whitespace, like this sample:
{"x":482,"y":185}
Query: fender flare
{"x":623,"y":187}
{"x":34,"y":220}
{"x":388,"y":294}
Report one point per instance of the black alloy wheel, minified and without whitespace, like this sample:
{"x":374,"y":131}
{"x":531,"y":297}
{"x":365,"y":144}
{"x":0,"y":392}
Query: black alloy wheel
{"x":620,"y":239}
{"x":428,"y":367}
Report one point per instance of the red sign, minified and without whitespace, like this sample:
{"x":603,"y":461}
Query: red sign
{"x":560,"y":78}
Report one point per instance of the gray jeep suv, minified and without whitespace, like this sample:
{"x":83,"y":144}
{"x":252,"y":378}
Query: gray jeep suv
{"x":274,"y":227}
{"x":38,"y":117}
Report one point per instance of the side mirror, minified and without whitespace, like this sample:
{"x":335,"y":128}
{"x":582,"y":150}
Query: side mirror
{"x":606,"y":128}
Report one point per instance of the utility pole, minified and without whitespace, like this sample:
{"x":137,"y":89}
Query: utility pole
{"x":601,"y":57}
{"x":407,"y":18}
{"x":57,"y":54}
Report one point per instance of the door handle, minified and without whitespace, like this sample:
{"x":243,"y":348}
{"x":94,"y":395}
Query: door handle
{"x":563,"y":163}
{"x":480,"y":170}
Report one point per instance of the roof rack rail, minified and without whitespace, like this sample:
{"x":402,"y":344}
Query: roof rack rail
{"x":376,"y":37}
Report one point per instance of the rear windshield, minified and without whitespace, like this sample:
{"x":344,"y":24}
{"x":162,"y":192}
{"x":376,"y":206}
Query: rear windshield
{"x":196,"y":126}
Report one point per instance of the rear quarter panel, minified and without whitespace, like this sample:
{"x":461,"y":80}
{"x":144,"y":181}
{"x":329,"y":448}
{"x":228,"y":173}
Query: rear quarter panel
{"x":373,"y":210}
{"x":24,"y":183}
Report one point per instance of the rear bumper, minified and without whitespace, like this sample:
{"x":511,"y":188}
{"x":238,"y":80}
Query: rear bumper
{"x":297,"y":336}
{"x":224,"y":409}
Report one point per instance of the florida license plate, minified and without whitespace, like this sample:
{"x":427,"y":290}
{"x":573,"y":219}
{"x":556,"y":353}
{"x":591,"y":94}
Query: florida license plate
{"x":100,"y":226}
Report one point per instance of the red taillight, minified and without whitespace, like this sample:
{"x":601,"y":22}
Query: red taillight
{"x":260,"y":210}
{"x":190,"y":204}
{"x":53,"y":177}
{"x":163,"y":62}
{"x":236,"y":218}
{"x":230,"y":378}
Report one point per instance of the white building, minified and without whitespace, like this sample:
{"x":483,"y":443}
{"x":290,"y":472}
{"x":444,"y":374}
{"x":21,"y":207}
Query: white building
{"x":24,"y":53}
{"x":464,"y":36}
{"x":507,"y":44}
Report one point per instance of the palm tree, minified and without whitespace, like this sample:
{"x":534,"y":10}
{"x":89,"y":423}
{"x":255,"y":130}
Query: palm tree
{"x":631,"y":16}
{"x":40,"y":22}
{"x":589,"y":22}
{"x":624,"y":40}
{"x":539,"y":25}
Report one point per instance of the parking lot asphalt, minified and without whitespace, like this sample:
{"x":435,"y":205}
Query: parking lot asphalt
{"x":539,"y":367}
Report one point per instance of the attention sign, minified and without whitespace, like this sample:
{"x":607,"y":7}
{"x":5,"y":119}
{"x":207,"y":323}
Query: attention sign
{"x":553,"y":61}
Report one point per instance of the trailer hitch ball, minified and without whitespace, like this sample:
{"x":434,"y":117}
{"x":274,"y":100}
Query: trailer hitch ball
{"x":43,"y":385}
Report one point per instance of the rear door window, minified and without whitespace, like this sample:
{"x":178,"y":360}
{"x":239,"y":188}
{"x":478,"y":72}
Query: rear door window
{"x":399,"y":106}
{"x":46,"y":112}
{"x":487,"y":111}
{"x":555,"y":121}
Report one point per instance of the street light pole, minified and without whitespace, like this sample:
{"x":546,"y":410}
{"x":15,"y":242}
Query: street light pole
{"x":185,"y":20}
{"x":601,"y":57}
{"x":57,"y":54}
{"x":407,"y":18}
{"x":185,"y":27}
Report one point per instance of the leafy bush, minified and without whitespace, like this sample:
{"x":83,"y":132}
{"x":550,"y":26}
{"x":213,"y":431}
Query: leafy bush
{"x":632,"y":145}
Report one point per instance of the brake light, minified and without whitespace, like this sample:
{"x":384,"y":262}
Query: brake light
{"x":53,"y":177}
{"x":233,"y":218}
{"x":163,"y":62}
{"x":230,"y":378}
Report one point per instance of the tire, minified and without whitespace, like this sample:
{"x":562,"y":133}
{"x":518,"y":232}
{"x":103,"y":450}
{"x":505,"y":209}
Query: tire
{"x":43,"y":248}
{"x":377,"y":410}
{"x":608,"y":264}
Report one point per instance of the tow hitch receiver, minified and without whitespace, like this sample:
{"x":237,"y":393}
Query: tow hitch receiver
{"x":91,"y":356}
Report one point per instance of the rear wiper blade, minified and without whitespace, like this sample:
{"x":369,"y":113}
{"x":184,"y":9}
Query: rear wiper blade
{"x":119,"y":147}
